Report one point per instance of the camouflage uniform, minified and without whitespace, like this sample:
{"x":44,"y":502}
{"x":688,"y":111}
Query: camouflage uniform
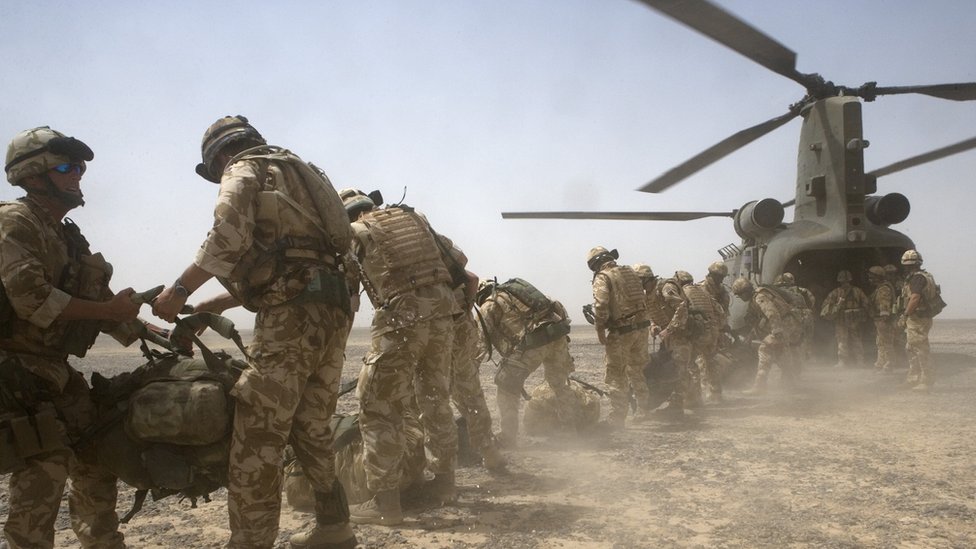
{"x":847,"y":306}
{"x":774,"y":320}
{"x":466,"y":391}
{"x":412,"y":340}
{"x":709,"y":369}
{"x":917,"y":327}
{"x":619,"y":307}
{"x":507,"y":322}
{"x":289,"y":391}
{"x":34,"y":370}
{"x":882,"y":304}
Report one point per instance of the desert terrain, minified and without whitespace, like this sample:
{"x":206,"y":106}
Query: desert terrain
{"x":845,"y":460}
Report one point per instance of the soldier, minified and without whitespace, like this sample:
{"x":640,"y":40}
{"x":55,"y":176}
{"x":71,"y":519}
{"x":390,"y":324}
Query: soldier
{"x":923,"y":301}
{"x":712,"y":284}
{"x":621,"y":325}
{"x":528,"y":330}
{"x":54,"y":300}
{"x":404,"y":268}
{"x":899,"y":343}
{"x":279,"y":231}
{"x":692,"y":333}
{"x":882,"y":307}
{"x":806,"y":303}
{"x":466,"y":391}
{"x":847,"y":305}
{"x":771,"y":314}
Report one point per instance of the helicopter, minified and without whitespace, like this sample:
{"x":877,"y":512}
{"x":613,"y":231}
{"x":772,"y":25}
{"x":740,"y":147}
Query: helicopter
{"x":839,"y":222}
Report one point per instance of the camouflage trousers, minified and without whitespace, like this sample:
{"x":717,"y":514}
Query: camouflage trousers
{"x":919,"y":362}
{"x":705,"y":366}
{"x":850,"y":350}
{"x":777,"y":348}
{"x":287,"y":395}
{"x":466,"y":391}
{"x":687,"y":389}
{"x":36,"y":491}
{"x":626,"y":356}
{"x":884,"y":329}
{"x":558,"y":364}
{"x":412,"y":362}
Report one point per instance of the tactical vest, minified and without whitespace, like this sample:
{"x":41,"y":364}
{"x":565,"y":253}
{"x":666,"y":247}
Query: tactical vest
{"x":703,"y":310}
{"x":660,"y":311}
{"x":627,"y":295}
{"x":86,"y":276}
{"x":880,"y":310}
{"x":404,"y":255}
{"x":273,"y":254}
{"x":932,"y":303}
{"x":782,"y":300}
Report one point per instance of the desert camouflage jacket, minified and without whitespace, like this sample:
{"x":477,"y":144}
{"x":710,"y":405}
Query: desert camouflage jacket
{"x":33,"y":256}
{"x":261,"y":249}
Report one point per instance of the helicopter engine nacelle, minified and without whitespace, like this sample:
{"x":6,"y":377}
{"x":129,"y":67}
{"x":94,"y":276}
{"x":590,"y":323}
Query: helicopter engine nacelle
{"x":758,"y":217}
{"x":886,"y":210}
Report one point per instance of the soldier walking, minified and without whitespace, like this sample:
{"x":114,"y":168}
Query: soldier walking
{"x":621,"y":325}
{"x":773,"y":317}
{"x":847,"y":305}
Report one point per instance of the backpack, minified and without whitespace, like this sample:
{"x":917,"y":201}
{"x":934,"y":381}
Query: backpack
{"x":164,"y":428}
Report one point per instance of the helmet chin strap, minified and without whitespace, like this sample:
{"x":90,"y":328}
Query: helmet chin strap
{"x":70,"y":200}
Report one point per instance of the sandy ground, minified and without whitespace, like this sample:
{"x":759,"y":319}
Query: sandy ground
{"x":847,"y":460}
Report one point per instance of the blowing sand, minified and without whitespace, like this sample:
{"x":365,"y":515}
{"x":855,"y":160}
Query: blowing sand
{"x":848,"y":460}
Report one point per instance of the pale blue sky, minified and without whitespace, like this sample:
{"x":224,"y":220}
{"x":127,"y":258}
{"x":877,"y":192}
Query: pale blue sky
{"x":483,"y":106}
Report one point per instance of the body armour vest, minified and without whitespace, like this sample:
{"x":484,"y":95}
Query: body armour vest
{"x":627,"y":298}
{"x":404,"y":255}
{"x":701,"y":303}
{"x":658,"y":308}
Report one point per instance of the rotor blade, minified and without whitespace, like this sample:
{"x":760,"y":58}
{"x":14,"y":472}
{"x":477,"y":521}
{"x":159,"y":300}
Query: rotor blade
{"x":965,"y":91}
{"x":790,"y":202}
{"x":716,"y":152}
{"x":732,"y":32}
{"x":626,"y":216}
{"x":959,"y":147}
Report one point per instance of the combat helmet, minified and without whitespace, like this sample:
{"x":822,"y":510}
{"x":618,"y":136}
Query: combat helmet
{"x":718,"y":268}
{"x":844,"y":276}
{"x":220,"y":134}
{"x":683,"y":277}
{"x":355,"y":202}
{"x":785,"y":279}
{"x":891,"y":270}
{"x":878,"y":272}
{"x":643,"y":271}
{"x":741,"y":286}
{"x":598,"y":256}
{"x":911,"y":257}
{"x":35,"y":151}
{"x":485,"y":289}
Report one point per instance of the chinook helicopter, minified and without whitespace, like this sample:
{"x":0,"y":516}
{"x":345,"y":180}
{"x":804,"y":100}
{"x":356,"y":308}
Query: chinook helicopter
{"x":838,"y":220}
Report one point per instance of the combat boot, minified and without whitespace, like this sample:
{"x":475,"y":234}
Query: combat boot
{"x":442,"y":488}
{"x":383,"y":508}
{"x":332,"y":529}
{"x":492,"y":459}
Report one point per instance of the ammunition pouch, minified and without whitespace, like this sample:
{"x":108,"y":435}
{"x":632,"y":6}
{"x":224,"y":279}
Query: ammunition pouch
{"x":545,"y":334}
{"x":511,"y":378}
{"x":25,"y":436}
{"x":328,"y":287}
{"x":88,"y":278}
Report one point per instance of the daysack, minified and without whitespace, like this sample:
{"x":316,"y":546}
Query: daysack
{"x":164,"y":428}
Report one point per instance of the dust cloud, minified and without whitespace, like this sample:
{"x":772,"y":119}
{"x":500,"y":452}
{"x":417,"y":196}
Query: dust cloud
{"x":846,"y":460}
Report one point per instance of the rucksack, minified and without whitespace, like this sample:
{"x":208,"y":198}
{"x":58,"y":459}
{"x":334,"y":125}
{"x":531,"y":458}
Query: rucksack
{"x":164,"y":428}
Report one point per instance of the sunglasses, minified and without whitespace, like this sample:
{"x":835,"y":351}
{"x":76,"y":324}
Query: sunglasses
{"x":69,"y":167}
